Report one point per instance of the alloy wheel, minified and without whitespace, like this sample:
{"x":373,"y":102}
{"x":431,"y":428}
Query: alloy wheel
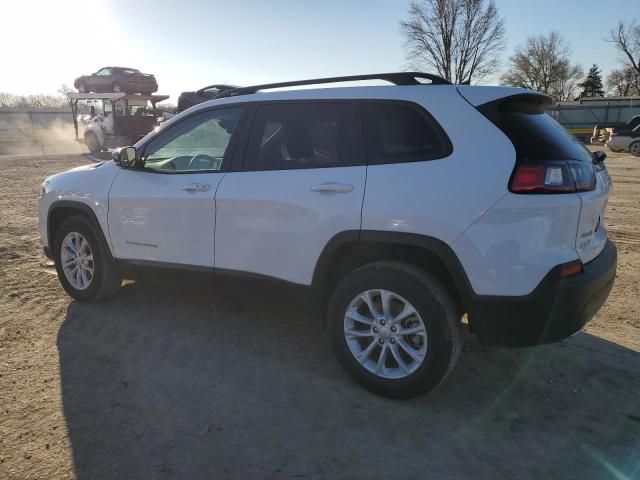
{"x":385,"y":334}
{"x":77,"y":261}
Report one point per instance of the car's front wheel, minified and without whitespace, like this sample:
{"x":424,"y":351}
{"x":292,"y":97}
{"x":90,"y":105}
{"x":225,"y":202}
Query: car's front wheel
{"x":116,"y":87}
{"x":84,"y":265}
{"x":394,"y":328}
{"x":92,"y":142}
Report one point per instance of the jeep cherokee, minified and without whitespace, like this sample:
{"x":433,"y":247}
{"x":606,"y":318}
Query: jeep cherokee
{"x":398,"y":207}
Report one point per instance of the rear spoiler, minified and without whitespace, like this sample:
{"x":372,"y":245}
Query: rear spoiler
{"x":480,"y":96}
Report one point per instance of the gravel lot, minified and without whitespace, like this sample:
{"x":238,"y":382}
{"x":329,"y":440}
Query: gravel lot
{"x":175,"y":382}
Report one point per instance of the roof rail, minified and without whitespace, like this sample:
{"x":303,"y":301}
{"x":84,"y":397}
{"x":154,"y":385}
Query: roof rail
{"x":397,"y":78}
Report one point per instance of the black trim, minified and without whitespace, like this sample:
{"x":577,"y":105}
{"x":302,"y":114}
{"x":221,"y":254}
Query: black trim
{"x":556,"y":309}
{"x":397,"y":78}
{"x":70,"y":205}
{"x":47,"y":252}
{"x":134,"y":263}
{"x":433,"y":245}
{"x":233,"y":281}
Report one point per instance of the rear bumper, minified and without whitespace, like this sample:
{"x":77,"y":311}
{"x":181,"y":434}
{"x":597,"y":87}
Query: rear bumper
{"x":555,"y":310}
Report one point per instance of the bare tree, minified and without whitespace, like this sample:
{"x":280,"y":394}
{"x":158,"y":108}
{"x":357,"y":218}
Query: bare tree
{"x":461,"y":40}
{"x":39,"y":101}
{"x":626,"y":38}
{"x":624,"y":82}
{"x":543,"y":64}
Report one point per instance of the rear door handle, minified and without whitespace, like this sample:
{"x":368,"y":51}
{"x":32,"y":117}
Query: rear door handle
{"x":331,"y":187}
{"x":197,"y":187}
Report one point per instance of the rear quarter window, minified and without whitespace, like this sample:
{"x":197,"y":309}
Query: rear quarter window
{"x":396,"y":132}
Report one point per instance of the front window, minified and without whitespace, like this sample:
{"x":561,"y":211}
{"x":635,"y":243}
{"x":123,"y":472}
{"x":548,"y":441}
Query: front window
{"x":104,"y":71}
{"x":197,"y":143}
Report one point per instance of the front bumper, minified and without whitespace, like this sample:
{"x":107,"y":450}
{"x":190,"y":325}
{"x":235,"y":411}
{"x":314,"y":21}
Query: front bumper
{"x":555,"y":310}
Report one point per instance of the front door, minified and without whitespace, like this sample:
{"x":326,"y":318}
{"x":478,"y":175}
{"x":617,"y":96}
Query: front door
{"x":163,"y":210}
{"x":301,"y":183}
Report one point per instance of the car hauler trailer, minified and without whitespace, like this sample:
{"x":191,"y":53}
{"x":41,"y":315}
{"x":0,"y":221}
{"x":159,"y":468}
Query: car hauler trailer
{"x":123,"y":119}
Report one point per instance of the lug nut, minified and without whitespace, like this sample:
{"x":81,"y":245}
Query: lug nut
{"x":375,"y":329}
{"x":383,"y":323}
{"x":381,"y":341}
{"x":393,"y":329}
{"x":393,"y":340}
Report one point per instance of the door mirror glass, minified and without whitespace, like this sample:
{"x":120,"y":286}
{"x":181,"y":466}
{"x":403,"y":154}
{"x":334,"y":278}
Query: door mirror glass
{"x":125,"y":157}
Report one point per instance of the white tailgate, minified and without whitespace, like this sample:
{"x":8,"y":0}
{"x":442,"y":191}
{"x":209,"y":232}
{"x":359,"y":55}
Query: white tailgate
{"x":592,"y":234}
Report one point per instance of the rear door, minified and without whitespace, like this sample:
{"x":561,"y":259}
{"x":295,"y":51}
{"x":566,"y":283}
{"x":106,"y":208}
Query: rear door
{"x":302,"y":182}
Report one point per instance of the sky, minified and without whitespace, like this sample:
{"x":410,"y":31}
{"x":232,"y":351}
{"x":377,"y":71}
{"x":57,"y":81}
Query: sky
{"x":188,"y":44}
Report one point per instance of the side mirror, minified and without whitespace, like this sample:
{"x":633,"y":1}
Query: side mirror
{"x":125,"y":157}
{"x":599,"y":156}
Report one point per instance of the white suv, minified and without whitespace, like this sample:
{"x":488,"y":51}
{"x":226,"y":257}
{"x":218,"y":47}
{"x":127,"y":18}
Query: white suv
{"x":397,"y":208}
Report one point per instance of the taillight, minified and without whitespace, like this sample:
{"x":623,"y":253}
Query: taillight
{"x":553,"y":177}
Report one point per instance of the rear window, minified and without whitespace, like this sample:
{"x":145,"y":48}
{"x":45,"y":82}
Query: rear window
{"x":400,"y":132}
{"x":534,"y":134}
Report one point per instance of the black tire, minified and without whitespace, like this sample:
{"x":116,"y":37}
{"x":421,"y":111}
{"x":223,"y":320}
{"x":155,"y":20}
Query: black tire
{"x":92,"y":142}
{"x":634,"y":149}
{"x":116,"y":87}
{"x":82,"y":88}
{"x":106,"y":280}
{"x":431,"y":300}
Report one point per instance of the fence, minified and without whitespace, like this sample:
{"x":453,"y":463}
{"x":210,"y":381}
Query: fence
{"x":580,"y":117}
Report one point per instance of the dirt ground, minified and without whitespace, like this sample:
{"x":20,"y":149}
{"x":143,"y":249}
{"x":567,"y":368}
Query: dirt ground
{"x":175,"y":382}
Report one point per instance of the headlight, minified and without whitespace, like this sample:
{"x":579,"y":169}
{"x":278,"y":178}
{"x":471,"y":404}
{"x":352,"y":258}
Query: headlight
{"x":44,"y":188}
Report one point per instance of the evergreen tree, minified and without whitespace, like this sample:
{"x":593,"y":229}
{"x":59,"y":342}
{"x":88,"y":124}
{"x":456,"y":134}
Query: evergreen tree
{"x":592,"y":85}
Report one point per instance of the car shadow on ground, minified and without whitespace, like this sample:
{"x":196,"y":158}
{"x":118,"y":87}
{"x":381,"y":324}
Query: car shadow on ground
{"x":174,"y":382}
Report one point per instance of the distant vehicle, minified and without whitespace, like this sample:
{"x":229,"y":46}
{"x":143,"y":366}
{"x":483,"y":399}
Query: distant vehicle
{"x":123,"y":118}
{"x":189,"y":99}
{"x":604,"y":131}
{"x":625,"y":141}
{"x":117,"y":80}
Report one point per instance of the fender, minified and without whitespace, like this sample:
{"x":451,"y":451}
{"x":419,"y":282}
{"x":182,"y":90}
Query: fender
{"x":430,"y":244}
{"x":81,"y":207}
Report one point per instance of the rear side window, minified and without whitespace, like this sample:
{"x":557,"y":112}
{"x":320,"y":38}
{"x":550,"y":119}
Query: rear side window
{"x":400,"y":132}
{"x":534,"y":134}
{"x":300,"y":135}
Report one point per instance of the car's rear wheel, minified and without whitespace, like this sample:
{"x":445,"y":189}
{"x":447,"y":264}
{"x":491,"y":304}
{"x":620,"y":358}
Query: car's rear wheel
{"x":394,"y":328}
{"x":84,"y":265}
{"x":634,"y":149}
{"x":92,"y":142}
{"x":82,"y":88}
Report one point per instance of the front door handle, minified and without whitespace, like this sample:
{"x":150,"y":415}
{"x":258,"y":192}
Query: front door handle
{"x":197,"y":187}
{"x":331,"y":187}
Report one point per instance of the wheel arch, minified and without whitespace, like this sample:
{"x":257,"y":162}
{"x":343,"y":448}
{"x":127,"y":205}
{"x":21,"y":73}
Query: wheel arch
{"x":60,"y":210}
{"x":349,"y":250}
